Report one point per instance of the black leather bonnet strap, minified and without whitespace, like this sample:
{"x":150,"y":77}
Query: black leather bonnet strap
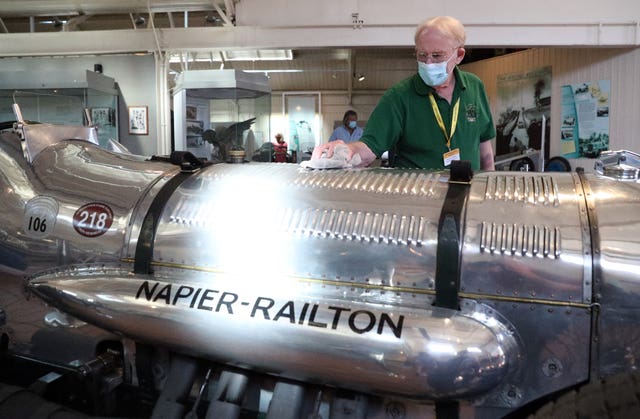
{"x":450,"y":230}
{"x":144,"y":248}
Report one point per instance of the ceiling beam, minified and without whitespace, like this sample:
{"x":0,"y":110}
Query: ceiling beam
{"x":65,"y":8}
{"x":73,"y":23}
{"x":230,"y":8}
{"x":223,"y":15}
{"x":242,"y":37}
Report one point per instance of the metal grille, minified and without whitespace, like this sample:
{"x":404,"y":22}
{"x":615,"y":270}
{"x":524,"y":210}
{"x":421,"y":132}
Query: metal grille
{"x":535,"y":190}
{"x":358,"y":225}
{"x":407,"y":183}
{"x":524,"y":240}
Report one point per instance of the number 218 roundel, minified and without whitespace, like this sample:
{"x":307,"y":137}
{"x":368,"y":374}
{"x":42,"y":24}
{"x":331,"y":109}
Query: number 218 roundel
{"x":93,"y":219}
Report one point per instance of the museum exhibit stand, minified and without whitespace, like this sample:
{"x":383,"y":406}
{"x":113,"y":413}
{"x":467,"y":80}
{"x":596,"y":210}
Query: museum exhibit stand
{"x":222,"y":115}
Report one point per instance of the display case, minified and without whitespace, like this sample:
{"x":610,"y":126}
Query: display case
{"x":61,"y":98}
{"x":222,"y":115}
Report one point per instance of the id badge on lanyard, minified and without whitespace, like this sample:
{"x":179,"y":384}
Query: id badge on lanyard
{"x":450,"y":156}
{"x":454,"y":154}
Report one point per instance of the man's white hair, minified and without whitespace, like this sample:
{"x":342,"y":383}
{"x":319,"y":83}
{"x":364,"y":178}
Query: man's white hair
{"x":449,"y":26}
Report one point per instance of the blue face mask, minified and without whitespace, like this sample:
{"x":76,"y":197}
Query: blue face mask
{"x":353,"y":124}
{"x":434,"y":74}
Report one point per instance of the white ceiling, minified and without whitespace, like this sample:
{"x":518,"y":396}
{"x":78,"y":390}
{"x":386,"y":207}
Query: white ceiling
{"x":307,"y":69}
{"x":323,"y":58}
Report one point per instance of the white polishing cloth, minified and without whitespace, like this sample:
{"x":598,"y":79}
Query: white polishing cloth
{"x":337,"y":161}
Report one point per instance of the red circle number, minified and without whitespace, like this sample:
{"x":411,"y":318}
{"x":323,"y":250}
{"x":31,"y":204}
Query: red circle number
{"x":93,"y":220}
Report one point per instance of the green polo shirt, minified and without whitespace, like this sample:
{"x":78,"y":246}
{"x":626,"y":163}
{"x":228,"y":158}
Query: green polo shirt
{"x":404,"y":123}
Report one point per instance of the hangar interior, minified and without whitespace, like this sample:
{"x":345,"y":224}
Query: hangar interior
{"x":344,"y":54}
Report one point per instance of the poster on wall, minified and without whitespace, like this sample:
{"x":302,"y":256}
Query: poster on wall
{"x":523,"y":98}
{"x":584,"y":131}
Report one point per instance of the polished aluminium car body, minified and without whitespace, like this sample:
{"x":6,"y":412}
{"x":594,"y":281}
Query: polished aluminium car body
{"x":325,"y":277}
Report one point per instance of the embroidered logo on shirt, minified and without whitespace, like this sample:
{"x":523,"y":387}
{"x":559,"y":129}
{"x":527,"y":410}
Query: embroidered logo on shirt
{"x":471,"y":112}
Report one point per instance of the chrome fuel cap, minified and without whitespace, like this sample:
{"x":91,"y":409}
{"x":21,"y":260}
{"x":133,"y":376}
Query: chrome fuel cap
{"x":621,"y":165}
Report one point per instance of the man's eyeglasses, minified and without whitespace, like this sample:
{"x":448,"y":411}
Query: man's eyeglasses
{"x":436,"y":57}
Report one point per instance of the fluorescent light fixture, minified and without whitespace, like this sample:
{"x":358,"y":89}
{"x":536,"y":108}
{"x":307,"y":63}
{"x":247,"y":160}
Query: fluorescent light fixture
{"x":56,"y":22}
{"x":360,"y":76}
{"x":274,"y":71}
{"x":258,"y":55}
{"x":241,"y":55}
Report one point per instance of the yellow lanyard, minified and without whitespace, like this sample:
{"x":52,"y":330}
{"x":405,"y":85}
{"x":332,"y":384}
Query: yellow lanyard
{"x":454,"y":119}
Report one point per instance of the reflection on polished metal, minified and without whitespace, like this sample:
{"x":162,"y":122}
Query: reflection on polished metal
{"x":328,"y":276}
{"x":621,"y":164}
{"x":44,"y":135}
{"x":415,"y":352}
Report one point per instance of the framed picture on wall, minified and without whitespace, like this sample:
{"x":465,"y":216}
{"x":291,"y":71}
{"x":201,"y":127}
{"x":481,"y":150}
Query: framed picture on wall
{"x":138,"y":120}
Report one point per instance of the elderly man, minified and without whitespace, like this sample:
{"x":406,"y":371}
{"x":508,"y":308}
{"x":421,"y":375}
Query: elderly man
{"x":436,"y":116}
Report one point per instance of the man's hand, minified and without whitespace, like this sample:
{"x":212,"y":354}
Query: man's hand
{"x":327,"y":149}
{"x":366,"y":155}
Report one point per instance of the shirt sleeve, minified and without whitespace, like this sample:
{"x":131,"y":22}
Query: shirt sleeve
{"x":384,"y":126}
{"x":358,"y":134}
{"x":490,"y":128}
{"x":334,"y":135}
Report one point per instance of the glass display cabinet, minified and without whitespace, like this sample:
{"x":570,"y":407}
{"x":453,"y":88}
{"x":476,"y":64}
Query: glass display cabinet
{"x":222,"y":115}
{"x":61,"y":98}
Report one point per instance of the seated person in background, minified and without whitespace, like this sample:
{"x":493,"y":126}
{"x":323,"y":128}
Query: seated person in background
{"x":280,"y":149}
{"x":349,"y":131}
{"x":436,"y":116}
